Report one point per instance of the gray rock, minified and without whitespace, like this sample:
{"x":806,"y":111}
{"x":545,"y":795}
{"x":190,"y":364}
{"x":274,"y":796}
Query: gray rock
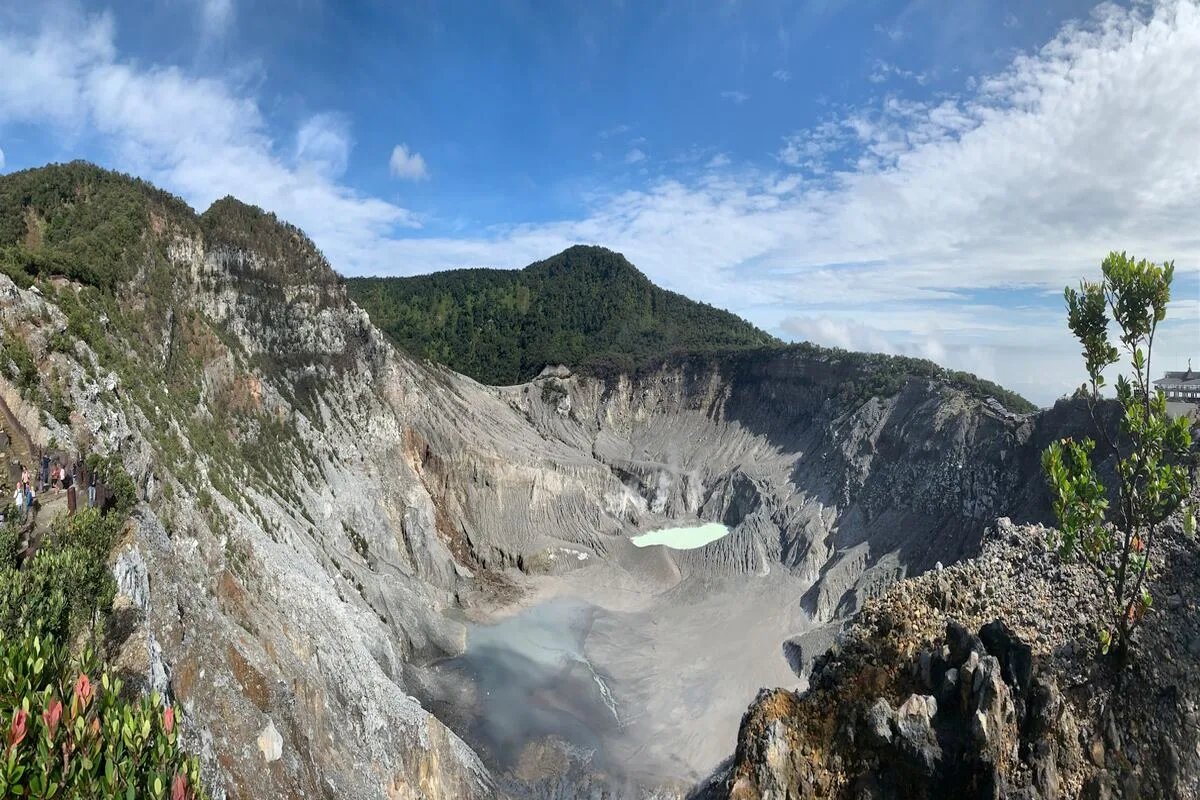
{"x":961,"y":642}
{"x":270,"y":743}
{"x":914,"y":731}
{"x":948,"y":692}
{"x":880,"y":720}
{"x":925,"y":669}
{"x":1044,"y":709}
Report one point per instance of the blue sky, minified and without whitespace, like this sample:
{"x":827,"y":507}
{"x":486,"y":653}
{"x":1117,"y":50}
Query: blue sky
{"x":917,"y":177}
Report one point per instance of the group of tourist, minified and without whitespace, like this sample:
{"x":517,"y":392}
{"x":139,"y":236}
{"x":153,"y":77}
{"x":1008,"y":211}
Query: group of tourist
{"x":55,"y":475}
{"x":23,"y":497}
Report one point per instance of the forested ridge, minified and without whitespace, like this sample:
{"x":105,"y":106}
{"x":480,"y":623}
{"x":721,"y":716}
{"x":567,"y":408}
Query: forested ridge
{"x":591,"y":310}
{"x":585,"y":306}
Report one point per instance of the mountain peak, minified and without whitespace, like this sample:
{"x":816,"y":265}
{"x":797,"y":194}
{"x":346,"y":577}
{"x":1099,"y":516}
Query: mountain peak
{"x":237,"y":225}
{"x":586,"y":307}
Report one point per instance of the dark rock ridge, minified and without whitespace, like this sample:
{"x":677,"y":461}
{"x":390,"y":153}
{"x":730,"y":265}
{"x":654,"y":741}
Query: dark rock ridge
{"x":919,"y":699}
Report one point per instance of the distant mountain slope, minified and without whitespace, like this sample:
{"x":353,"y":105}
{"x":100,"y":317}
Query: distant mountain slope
{"x":584,"y":306}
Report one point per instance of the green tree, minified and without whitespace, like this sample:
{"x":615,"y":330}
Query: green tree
{"x":1151,"y":449}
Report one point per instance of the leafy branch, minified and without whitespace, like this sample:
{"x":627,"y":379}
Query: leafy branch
{"x":1151,"y":465}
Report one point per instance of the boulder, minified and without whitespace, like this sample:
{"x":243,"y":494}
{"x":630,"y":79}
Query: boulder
{"x":1015,"y":656}
{"x":914,"y":732}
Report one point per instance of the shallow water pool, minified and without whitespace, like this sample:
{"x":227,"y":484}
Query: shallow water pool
{"x":687,"y":538}
{"x":530,"y":682}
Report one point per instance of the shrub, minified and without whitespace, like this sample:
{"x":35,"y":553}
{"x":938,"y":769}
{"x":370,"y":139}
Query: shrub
{"x":17,"y":359}
{"x":67,"y":586}
{"x":121,"y":490}
{"x":552,"y":392}
{"x":1153,"y":478}
{"x":65,"y":737}
{"x":60,"y":409}
{"x":60,"y":735}
{"x":10,"y":533}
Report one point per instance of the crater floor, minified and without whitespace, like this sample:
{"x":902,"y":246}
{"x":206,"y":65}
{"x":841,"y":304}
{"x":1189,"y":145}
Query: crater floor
{"x":597,"y":677}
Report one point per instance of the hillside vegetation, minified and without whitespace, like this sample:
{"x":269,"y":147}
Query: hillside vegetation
{"x":79,"y":221}
{"x":592,"y":310}
{"x":584,"y":306}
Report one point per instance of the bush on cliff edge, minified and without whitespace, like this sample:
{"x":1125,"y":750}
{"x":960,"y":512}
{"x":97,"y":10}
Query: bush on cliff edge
{"x":1153,"y":479}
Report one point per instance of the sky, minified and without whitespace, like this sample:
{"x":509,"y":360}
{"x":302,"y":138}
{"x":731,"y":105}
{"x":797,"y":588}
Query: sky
{"x":907,"y":176}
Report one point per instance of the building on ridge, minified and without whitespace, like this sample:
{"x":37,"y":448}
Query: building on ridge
{"x":1180,"y":387}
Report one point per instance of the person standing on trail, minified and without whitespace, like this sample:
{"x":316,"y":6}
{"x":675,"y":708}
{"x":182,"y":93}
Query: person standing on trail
{"x":19,"y":500}
{"x":91,"y":488}
{"x":24,"y":474}
{"x":45,"y":472}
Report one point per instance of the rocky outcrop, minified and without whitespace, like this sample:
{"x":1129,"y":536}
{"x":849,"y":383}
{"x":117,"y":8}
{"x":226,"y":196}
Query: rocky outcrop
{"x":920,"y":699}
{"x":851,"y":496}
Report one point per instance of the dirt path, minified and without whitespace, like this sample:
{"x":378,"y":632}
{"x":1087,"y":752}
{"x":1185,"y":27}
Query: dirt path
{"x":20,"y":447}
{"x":49,"y":508}
{"x":50,"y":504}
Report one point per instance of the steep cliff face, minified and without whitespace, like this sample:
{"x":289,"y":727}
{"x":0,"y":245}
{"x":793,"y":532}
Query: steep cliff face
{"x":278,"y":576}
{"x":851,"y":496}
{"x":314,"y":502}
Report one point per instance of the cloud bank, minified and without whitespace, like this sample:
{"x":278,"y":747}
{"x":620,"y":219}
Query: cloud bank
{"x":880,"y":217}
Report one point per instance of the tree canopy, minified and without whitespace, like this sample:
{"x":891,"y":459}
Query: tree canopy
{"x":1153,"y":479}
{"x":79,"y":221}
{"x":582,"y":306}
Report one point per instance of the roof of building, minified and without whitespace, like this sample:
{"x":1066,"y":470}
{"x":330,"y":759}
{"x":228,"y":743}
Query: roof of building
{"x":1188,"y":378}
{"x":1180,"y":383}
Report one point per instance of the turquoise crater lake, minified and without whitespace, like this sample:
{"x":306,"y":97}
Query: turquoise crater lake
{"x":686,"y":538}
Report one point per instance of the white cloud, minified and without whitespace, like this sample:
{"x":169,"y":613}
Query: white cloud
{"x":829,"y":332}
{"x":1,"y":159}
{"x":616,"y":130}
{"x":718,"y":161}
{"x":1025,"y":349}
{"x":323,"y":143}
{"x":882,"y":71}
{"x":1011,"y":21}
{"x":738,"y":97}
{"x":634,"y":156}
{"x":875,"y":216}
{"x":893,"y":32}
{"x":809,"y":149}
{"x":782,"y":75}
{"x":406,"y":165}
